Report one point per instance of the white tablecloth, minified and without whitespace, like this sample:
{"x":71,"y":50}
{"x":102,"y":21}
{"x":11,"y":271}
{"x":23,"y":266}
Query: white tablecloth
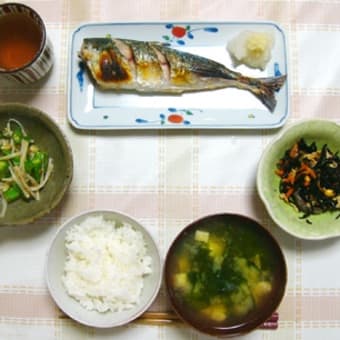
{"x":165,"y":179}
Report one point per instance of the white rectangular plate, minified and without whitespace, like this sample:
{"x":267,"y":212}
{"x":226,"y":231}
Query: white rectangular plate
{"x":91,"y":108}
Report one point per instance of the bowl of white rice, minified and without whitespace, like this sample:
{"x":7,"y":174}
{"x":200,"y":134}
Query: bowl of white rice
{"x":103,"y":268}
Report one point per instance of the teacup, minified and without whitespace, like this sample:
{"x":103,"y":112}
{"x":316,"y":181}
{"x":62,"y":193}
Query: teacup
{"x":26,"y":52}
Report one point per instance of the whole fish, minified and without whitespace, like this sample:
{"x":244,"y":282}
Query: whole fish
{"x":143,"y":66}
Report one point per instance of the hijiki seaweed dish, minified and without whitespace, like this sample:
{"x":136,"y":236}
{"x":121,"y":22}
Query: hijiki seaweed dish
{"x":310,"y":178}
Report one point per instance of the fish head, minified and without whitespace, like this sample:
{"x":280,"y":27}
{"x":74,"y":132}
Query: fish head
{"x":105,"y":61}
{"x":93,"y":45}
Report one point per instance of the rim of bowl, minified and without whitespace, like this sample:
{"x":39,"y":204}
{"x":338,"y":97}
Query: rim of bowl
{"x":242,"y":328}
{"x":62,"y":138}
{"x":43,"y":37}
{"x":68,"y":223}
{"x":263,"y":198}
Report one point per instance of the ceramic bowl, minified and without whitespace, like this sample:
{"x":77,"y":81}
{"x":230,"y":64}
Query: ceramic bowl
{"x":316,"y":227}
{"x":70,"y":306}
{"x":216,"y":273}
{"x":49,"y":137}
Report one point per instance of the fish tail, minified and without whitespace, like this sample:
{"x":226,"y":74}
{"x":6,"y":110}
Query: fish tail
{"x":265,"y":90}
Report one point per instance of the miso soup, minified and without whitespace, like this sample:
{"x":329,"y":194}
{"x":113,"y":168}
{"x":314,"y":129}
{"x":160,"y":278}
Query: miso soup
{"x":221,"y":272}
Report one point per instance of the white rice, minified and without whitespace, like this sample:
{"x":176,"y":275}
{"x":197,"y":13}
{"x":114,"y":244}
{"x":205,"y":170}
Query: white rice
{"x":105,"y":264}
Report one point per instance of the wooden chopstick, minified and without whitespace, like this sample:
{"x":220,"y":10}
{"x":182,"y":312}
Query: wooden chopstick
{"x":168,"y":318}
{"x":171,"y":318}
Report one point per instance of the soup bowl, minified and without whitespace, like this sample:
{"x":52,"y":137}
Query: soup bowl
{"x":225,"y":275}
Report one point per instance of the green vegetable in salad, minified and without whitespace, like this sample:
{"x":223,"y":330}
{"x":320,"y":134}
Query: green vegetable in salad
{"x":4,"y":169}
{"x":12,"y":193}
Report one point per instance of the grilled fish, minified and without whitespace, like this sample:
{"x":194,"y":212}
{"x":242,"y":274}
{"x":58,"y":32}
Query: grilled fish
{"x":143,"y":66}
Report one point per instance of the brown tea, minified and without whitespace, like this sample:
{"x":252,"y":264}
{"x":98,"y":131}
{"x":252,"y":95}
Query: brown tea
{"x":20,"y":40}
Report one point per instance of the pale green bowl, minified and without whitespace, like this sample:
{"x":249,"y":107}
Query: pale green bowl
{"x":324,"y":225}
{"x":49,"y":137}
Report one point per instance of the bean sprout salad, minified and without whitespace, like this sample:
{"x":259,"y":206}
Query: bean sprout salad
{"x":24,"y":168}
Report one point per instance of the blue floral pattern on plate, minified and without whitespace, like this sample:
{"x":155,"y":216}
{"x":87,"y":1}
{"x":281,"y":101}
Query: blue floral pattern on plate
{"x":173,"y":116}
{"x":178,"y":33}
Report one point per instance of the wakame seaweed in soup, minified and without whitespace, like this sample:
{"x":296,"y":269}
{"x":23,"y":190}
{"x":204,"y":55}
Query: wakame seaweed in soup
{"x":222,"y":272}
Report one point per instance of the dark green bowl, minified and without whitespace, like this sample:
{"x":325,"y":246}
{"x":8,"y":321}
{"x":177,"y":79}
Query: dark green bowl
{"x":51,"y":139}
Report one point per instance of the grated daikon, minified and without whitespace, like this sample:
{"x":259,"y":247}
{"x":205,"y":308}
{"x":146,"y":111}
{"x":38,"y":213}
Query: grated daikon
{"x":251,"y":48}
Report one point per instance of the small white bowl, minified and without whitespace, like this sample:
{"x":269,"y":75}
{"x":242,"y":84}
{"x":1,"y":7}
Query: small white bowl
{"x":55,"y":267}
